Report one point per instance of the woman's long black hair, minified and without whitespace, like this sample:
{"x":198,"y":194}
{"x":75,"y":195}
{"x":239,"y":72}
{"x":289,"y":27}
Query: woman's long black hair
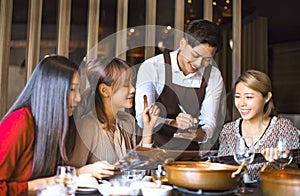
{"x":46,"y":94}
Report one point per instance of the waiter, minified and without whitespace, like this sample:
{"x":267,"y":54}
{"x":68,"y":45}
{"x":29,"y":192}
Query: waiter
{"x":188,"y":87}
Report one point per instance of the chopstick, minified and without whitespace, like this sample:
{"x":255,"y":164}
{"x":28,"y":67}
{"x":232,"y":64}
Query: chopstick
{"x":145,"y":101}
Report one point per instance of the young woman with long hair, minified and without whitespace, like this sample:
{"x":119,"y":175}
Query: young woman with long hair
{"x":106,"y":132}
{"x":36,"y":134}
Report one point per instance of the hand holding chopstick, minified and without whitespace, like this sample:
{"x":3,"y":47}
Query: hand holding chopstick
{"x":150,"y":113}
{"x":150,"y":116}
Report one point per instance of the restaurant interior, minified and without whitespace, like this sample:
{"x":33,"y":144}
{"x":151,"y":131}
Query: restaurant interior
{"x":258,"y":34}
{"x":269,"y":39}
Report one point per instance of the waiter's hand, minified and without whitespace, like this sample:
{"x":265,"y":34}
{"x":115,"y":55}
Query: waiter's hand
{"x":184,"y":121}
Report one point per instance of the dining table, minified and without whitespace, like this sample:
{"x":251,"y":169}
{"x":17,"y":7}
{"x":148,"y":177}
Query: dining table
{"x":158,"y":156}
{"x":255,"y":189}
{"x":210,"y":155}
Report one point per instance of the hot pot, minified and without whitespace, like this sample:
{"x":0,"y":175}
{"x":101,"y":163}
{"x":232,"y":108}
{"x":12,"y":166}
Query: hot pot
{"x":280,"y":182}
{"x":203,"y":175}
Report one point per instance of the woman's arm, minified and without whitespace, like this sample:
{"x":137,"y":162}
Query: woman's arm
{"x":33,"y":185}
{"x":100,"y":169}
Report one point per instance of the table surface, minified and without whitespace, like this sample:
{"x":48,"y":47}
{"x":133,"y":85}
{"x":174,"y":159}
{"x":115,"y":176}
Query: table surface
{"x":254,"y":188}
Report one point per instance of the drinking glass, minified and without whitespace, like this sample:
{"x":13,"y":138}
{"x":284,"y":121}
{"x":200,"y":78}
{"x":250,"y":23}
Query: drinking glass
{"x":66,"y":176}
{"x":244,"y":153}
{"x":133,"y":175}
{"x":284,"y":157}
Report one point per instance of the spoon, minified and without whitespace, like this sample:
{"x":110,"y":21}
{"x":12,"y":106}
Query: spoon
{"x":158,"y":176}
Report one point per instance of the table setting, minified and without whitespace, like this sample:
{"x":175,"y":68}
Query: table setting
{"x":154,"y":171}
{"x":205,"y":163}
{"x":157,"y":163}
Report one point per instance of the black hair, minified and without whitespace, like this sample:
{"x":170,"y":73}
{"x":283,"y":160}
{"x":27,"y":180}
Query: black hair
{"x":203,"y":31}
{"x":46,"y":94}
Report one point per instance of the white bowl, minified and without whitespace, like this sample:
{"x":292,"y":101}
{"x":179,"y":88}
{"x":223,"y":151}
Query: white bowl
{"x":151,"y":189}
{"x":87,"y":180}
{"x":108,"y":189}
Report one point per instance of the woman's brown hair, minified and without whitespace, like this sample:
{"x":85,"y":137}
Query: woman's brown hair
{"x":112,"y":73}
{"x":259,"y":82}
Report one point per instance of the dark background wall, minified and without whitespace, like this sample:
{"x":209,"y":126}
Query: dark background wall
{"x":283,"y":37}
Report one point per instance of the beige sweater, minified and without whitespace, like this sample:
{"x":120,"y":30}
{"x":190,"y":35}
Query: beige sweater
{"x":93,"y":143}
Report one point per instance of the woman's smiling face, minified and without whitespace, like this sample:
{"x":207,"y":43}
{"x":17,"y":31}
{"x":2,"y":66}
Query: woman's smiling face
{"x":250,"y":103}
{"x":122,"y":92}
{"x":123,"y":96}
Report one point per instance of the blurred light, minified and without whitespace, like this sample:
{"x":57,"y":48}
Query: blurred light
{"x":231,"y":43}
{"x":189,"y":1}
{"x":214,"y":3}
{"x":46,"y":55}
{"x":131,"y":30}
{"x":160,"y":44}
{"x":227,"y":1}
{"x":169,"y":27}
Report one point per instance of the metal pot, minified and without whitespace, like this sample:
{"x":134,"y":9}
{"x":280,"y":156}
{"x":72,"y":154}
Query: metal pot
{"x":203,"y":175}
{"x":280,"y":182}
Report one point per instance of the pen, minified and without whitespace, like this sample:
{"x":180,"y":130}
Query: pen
{"x":183,"y":111}
{"x":181,"y":108}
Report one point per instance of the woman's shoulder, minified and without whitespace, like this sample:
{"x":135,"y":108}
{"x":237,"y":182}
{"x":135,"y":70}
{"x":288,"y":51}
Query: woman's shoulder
{"x":88,"y":122}
{"x":280,"y":119}
{"x":18,"y":116}
{"x":19,"y":121}
{"x":88,"y":117}
{"x":20,"y":113}
{"x":232,"y":125}
{"x":282,"y":122}
{"x":282,"y":126}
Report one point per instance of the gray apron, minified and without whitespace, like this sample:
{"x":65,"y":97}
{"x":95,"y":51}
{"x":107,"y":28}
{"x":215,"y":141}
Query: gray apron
{"x":190,"y":98}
